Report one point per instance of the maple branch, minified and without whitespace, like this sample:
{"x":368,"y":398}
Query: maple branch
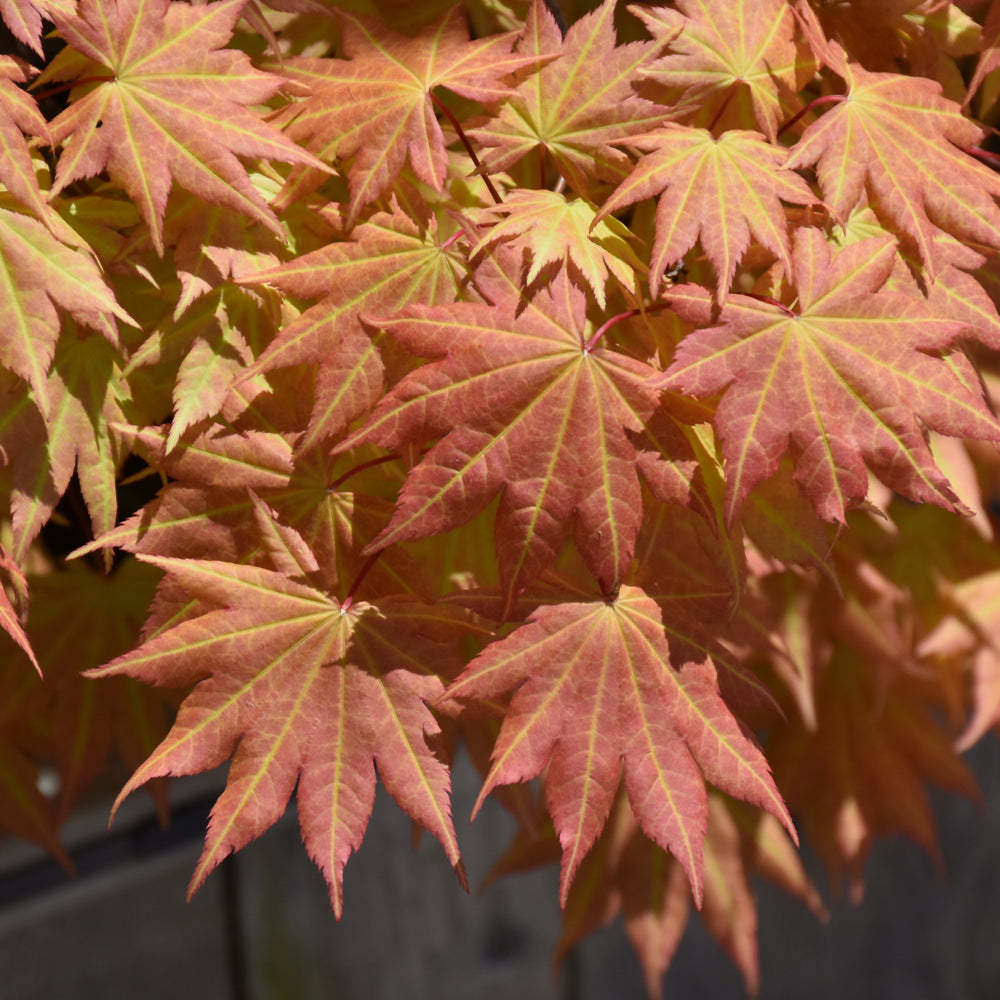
{"x":628,"y":314}
{"x":468,"y":147}
{"x":346,"y":603}
{"x":818,"y":102}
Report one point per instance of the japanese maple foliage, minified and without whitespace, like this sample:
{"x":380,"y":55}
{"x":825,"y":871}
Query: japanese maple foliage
{"x":605,"y":387}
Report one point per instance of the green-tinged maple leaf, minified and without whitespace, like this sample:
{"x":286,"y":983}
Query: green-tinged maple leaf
{"x":843,"y":378}
{"x":19,"y":114}
{"x":39,"y":273}
{"x":784,"y":526}
{"x":208,"y":509}
{"x":389,"y":262}
{"x":74,"y":437}
{"x":721,"y":191}
{"x":575,"y":108}
{"x":299,"y":688}
{"x":164,"y":103}
{"x":212,"y":245}
{"x":210,"y":345}
{"x":732,"y":63}
{"x":596,"y":695}
{"x":552,"y":231}
{"x":520,"y":398}
{"x":896,"y":140}
{"x":375,"y":108}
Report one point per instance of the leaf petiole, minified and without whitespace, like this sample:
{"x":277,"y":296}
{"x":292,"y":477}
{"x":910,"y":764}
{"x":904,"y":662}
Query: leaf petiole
{"x":460,"y":132}
{"x":628,"y":314}
{"x":812,"y":105}
{"x":345,"y":605}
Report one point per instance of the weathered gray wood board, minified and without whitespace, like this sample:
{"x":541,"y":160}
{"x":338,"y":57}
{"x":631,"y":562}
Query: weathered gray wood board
{"x":410,"y":933}
{"x":128,"y":934}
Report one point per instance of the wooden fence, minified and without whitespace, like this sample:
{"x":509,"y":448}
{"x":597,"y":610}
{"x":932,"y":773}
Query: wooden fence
{"x":261,"y":928}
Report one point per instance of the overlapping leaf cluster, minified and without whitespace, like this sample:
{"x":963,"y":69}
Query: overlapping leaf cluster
{"x":616,"y":381}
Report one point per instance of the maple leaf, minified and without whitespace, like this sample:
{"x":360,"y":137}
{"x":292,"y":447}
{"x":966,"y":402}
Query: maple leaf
{"x":969,"y":631}
{"x":298,"y":687}
{"x":389,"y":262}
{"x":735,"y":62}
{"x":575,"y":108}
{"x":212,"y":245}
{"x":722,"y":190}
{"x":518,"y":398}
{"x":843,"y":379}
{"x":41,"y":272}
{"x":206,"y":510}
{"x":861,"y":772}
{"x":168,"y":105}
{"x":210,"y":344}
{"x":81,"y":618}
{"x":989,"y":57}
{"x":210,"y":507}
{"x":628,"y":874}
{"x":81,"y":399}
{"x":375,"y":108}
{"x":595,"y":696}
{"x":10,"y":620}
{"x":893,"y":139}
{"x":552,"y":230}
{"x":883,"y":35}
{"x":24,"y":18}
{"x":697,"y":573}
{"x":19,"y":114}
{"x":784,"y":526}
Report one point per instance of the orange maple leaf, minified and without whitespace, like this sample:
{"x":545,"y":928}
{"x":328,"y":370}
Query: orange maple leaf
{"x":860,"y":773}
{"x":390,"y":261}
{"x":719,"y":190}
{"x":10,"y":618}
{"x":20,"y":114}
{"x":169,"y":105}
{"x":627,"y":874}
{"x":553,"y":231}
{"x":517,"y":396}
{"x":24,"y":18}
{"x":733,"y":64}
{"x":897,"y":143}
{"x":843,"y":378}
{"x":375,"y":107}
{"x":970,"y":632}
{"x":576,"y":107}
{"x":595,"y":696}
{"x":298,"y":688}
